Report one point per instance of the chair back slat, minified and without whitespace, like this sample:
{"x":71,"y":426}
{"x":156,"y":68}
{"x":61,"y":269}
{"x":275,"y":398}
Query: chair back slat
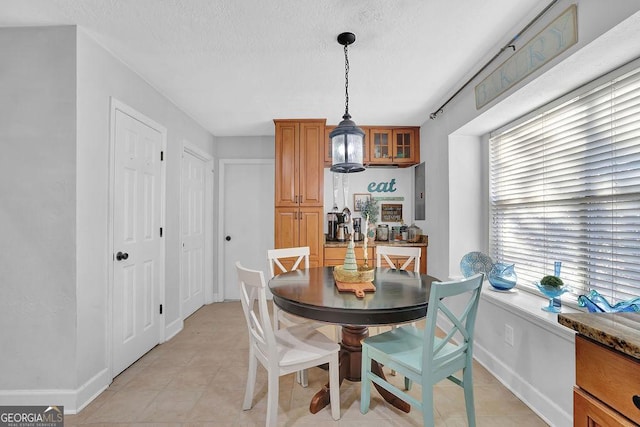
{"x":412,"y":254}
{"x":253,"y":296}
{"x":458,"y":328}
{"x":300,"y":255}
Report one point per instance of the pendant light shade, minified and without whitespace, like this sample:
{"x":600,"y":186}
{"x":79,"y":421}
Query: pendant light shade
{"x":347,"y":142}
{"x":347,"y":139}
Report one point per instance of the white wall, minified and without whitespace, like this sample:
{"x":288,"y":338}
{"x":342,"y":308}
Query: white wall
{"x":100,"y":77}
{"x":55,"y":208}
{"x":403,"y":187}
{"x":37,"y":209}
{"x":450,"y":146}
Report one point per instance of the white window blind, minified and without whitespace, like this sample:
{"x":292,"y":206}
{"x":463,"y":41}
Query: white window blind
{"x":565,"y":186}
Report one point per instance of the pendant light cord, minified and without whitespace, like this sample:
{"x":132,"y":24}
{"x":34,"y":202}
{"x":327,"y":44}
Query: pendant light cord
{"x":346,"y":84}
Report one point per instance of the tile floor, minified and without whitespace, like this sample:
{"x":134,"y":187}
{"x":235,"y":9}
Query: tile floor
{"x":198,"y":379}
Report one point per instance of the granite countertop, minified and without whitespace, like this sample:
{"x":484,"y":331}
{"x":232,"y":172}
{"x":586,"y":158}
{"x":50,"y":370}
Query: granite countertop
{"x":620,"y":331}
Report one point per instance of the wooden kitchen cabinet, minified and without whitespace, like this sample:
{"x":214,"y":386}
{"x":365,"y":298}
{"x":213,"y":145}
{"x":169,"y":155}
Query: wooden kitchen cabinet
{"x":299,"y":163}
{"x":394,"y":146}
{"x":606,"y":386}
{"x":335,"y":255}
{"x":299,"y":186}
{"x":384,"y":146}
{"x":301,"y":227}
{"x":590,"y":412}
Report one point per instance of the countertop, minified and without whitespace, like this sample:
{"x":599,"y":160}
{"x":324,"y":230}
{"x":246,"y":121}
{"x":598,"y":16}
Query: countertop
{"x":424,"y":241}
{"x":620,"y":331}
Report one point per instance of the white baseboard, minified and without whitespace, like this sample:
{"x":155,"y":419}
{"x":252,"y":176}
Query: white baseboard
{"x":72,"y":400}
{"x":172,"y":329}
{"x":546,"y":409}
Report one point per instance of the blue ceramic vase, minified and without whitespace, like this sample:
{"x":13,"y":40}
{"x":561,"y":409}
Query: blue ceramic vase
{"x":503,"y":276}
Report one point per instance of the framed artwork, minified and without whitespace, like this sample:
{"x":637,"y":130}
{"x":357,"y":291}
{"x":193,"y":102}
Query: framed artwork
{"x":359,"y":199}
{"x":391,"y":212}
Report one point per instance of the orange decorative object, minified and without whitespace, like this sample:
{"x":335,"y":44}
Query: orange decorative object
{"x":358,"y":288}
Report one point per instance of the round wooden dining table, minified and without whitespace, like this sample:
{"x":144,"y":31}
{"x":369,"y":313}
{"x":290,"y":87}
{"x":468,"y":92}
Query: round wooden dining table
{"x":399,"y":297}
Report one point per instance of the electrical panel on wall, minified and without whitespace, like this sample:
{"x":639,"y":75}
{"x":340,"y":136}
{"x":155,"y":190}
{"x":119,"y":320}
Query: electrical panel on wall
{"x":419,"y":196}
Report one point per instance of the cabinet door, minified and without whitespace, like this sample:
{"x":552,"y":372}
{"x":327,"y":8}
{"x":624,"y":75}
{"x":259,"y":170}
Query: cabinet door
{"x":311,"y":223}
{"x":311,"y":161}
{"x":404,"y":143}
{"x":327,"y":146}
{"x":590,"y":412}
{"x":286,"y":228}
{"x":380,"y":146}
{"x":287,"y":164}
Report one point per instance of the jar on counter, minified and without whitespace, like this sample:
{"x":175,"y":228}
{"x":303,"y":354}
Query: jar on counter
{"x":414,"y":232}
{"x":382,"y":233}
{"x":396,"y":234}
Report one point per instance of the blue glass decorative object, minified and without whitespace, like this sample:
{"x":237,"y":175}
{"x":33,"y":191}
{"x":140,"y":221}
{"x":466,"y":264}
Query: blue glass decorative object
{"x":551,"y":292}
{"x":596,"y":303}
{"x":476,"y":262}
{"x":503,"y":276}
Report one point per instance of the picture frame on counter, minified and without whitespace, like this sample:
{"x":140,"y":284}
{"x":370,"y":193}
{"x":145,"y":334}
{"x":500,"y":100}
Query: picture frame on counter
{"x":359,"y":200}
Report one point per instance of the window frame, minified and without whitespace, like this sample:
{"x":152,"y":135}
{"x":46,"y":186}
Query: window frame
{"x":532,"y":267}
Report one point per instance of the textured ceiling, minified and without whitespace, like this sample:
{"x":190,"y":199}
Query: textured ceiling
{"x":234,"y":65}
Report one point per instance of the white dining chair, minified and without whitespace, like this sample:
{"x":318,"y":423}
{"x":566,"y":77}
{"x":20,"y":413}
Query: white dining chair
{"x":281,"y":351}
{"x":412,"y":254}
{"x":383,"y":260}
{"x":424,"y":358}
{"x":297,"y":257}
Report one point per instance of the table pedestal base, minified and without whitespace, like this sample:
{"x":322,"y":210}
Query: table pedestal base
{"x":350,"y":369}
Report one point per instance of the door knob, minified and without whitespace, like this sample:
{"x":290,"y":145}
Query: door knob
{"x":228,"y":238}
{"x":122,"y":255}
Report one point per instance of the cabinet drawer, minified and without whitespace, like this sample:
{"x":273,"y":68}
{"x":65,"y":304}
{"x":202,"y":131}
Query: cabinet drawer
{"x":609,"y":376}
{"x":335,"y":256}
{"x":588,"y":411}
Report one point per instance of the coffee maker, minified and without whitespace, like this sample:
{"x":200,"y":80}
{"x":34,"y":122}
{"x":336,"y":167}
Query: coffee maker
{"x":337,"y":227}
{"x":357,"y":229}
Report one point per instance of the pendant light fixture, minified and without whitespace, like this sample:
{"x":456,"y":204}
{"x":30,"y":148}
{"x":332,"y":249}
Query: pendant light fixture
{"x":347,"y":139}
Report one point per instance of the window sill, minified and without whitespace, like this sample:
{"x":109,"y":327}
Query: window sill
{"x":528,"y":306}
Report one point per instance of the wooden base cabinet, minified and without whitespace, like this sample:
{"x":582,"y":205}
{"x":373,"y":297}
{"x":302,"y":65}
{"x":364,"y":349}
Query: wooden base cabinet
{"x":301,"y":227}
{"x":335,"y":256}
{"x":607,"y":386}
{"x":590,"y":412}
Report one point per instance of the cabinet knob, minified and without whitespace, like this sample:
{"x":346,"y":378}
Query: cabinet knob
{"x":636,"y":401}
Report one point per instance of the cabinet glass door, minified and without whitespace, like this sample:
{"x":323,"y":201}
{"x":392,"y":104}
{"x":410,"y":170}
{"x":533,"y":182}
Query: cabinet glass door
{"x":380,"y":143}
{"x":403,"y":140}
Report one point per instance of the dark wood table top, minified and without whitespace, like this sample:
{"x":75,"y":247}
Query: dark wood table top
{"x":400,"y":296}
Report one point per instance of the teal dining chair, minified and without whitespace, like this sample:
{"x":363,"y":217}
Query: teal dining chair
{"x":422,"y":357}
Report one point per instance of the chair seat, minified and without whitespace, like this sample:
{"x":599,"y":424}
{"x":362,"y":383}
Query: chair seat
{"x":302,"y":343}
{"x":404,"y":346}
{"x":288,"y":320}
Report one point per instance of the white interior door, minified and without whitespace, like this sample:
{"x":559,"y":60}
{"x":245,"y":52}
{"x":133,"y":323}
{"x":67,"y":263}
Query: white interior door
{"x":247,"y":229}
{"x":193,"y":233}
{"x":137,"y":245}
